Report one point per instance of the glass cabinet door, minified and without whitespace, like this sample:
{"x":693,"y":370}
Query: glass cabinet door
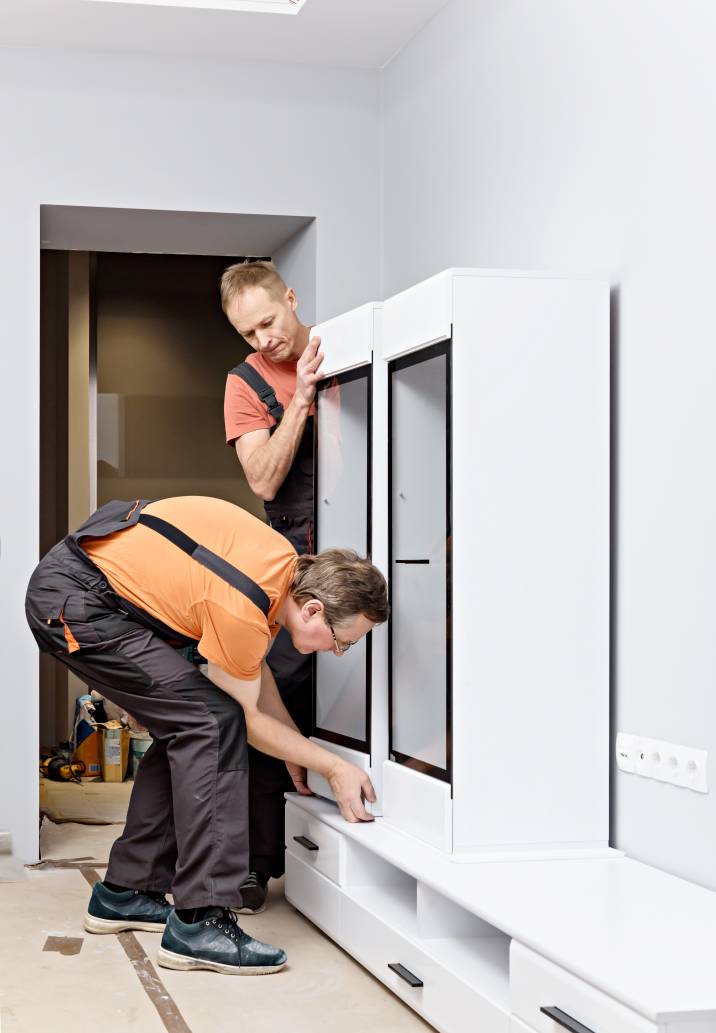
{"x":341,"y":698}
{"x":420,"y":632}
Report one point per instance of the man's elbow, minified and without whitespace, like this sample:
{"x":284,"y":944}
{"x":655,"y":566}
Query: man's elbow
{"x":262,"y":490}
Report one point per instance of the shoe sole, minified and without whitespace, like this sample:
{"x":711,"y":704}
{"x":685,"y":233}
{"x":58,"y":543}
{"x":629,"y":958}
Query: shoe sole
{"x":107,"y":925}
{"x":182,"y":963}
{"x":249,"y":910}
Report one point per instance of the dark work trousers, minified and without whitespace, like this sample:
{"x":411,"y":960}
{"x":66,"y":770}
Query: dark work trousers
{"x":187,"y":824}
{"x":268,"y":777}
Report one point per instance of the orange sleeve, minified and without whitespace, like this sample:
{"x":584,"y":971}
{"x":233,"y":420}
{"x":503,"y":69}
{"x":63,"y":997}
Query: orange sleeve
{"x":243,"y":411}
{"x":236,"y":647}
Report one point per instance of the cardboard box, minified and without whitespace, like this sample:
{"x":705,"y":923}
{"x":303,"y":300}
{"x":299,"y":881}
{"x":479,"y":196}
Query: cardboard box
{"x":113,"y":751}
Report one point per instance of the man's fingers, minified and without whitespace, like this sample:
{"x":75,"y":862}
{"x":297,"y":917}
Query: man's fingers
{"x":361,"y":814}
{"x":313,"y":365}
{"x":368,"y":790}
{"x":303,"y":789}
{"x":347,"y":812}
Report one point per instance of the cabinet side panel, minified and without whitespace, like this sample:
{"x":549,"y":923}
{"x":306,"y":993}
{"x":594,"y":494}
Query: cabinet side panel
{"x":531,"y":562}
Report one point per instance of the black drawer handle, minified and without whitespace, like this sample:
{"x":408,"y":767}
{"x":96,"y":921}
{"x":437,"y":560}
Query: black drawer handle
{"x":307,"y":844}
{"x":412,"y":561}
{"x":402,"y":971}
{"x":562,"y":1019}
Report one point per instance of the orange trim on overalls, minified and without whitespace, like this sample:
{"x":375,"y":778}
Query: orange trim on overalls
{"x":132,"y":509}
{"x":72,"y":643}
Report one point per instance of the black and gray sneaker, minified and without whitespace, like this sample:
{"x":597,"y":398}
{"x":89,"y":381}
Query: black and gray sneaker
{"x":218,"y":944}
{"x":253,"y":894}
{"x":110,"y":912}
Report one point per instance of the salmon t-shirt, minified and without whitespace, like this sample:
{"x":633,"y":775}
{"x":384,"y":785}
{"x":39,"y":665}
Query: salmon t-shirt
{"x":243,"y":409}
{"x":157,"y":576}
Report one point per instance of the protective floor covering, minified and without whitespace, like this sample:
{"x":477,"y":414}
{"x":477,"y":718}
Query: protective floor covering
{"x":55,"y":976}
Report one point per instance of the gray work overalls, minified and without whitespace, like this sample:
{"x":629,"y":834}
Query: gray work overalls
{"x":291,"y":514}
{"x":187,"y":824}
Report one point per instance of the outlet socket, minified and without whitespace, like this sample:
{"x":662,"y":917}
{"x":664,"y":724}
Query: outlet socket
{"x":682,"y":766}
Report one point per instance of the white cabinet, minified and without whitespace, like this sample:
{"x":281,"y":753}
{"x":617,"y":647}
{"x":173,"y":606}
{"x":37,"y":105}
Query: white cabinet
{"x":549,"y":999}
{"x":350,"y":708}
{"x":498,"y":401}
{"x":614,"y":946}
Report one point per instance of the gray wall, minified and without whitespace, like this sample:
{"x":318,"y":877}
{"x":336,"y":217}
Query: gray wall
{"x":580,"y":136}
{"x":158,"y":133}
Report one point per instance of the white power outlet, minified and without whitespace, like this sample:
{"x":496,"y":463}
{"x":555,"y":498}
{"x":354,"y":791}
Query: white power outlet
{"x":666,"y":762}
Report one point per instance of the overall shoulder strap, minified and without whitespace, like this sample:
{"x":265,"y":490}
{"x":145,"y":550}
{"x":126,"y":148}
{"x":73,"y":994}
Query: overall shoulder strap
{"x":216,"y":564}
{"x":246,"y":372}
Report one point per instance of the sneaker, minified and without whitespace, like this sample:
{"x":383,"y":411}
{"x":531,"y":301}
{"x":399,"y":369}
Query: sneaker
{"x":110,"y":912}
{"x":253,"y":894}
{"x":218,"y":944}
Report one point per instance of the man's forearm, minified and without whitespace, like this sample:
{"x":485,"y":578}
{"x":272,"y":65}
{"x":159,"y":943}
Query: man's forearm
{"x":268,"y":465}
{"x":271,"y":736}
{"x":270,"y":701}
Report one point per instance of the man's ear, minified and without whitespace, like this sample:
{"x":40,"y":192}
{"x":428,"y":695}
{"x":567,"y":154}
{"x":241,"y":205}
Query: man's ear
{"x":291,"y":299}
{"x":311,"y":608}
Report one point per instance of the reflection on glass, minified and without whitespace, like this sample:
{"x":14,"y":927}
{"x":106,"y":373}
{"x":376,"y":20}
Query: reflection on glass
{"x":342,"y":522}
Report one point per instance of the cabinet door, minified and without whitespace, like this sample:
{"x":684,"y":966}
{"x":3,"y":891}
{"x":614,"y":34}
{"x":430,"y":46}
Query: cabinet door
{"x":419,"y":562}
{"x":342,"y":520}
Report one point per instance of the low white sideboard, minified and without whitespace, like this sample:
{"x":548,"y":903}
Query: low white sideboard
{"x":604,"y":945}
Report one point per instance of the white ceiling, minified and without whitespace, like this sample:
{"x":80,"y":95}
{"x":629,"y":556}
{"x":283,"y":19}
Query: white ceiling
{"x":348,"y":33}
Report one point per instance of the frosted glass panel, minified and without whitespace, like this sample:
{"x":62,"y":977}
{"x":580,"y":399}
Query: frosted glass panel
{"x":419,"y":621}
{"x":419,"y":659}
{"x":342,"y":468}
{"x":419,"y":432}
{"x":342,"y":521}
{"x":341,"y":692}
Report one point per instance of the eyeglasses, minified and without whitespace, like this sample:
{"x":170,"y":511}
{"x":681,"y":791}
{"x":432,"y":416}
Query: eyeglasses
{"x":341,"y":649}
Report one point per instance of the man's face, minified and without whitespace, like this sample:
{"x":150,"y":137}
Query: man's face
{"x":267,"y":322}
{"x":310,"y":633}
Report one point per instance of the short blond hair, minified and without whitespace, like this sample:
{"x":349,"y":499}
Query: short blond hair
{"x":236,"y":278}
{"x":346,"y":584}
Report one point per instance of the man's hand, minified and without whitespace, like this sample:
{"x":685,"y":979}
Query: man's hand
{"x":350,"y":787}
{"x":299,"y":777}
{"x":308,"y":373}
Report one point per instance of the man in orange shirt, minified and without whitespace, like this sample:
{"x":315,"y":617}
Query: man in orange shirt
{"x":111,"y":601}
{"x":268,"y":413}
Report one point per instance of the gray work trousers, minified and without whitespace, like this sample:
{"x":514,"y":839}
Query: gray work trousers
{"x":187,"y":824}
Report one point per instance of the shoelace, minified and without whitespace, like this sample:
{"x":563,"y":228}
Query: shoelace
{"x":231,"y":928}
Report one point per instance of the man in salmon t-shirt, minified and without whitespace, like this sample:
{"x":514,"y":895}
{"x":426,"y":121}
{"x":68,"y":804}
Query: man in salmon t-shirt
{"x":268,"y":413}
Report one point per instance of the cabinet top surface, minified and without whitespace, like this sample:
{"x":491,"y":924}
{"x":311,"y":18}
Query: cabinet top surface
{"x":639,"y":934}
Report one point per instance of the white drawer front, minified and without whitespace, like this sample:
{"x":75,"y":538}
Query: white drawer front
{"x":536,"y":983}
{"x":313,"y":895}
{"x":518,"y":1026}
{"x":316,"y":844}
{"x":444,"y":1000}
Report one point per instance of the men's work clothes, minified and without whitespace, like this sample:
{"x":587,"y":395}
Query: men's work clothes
{"x":293,"y":502}
{"x":107,"y":602}
{"x":244,"y":409}
{"x":188,"y":593}
{"x":257,"y":393}
{"x":187,"y":824}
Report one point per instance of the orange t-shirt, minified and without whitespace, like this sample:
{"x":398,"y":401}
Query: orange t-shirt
{"x":157,"y":576}
{"x":243,"y":409}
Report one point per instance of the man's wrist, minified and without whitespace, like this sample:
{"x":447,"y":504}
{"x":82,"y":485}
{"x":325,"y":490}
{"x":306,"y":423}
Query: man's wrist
{"x":300,"y":405}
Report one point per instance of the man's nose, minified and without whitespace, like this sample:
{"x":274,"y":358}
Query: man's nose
{"x":264,"y":339}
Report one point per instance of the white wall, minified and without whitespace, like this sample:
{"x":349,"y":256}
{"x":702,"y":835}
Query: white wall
{"x":580,"y":136}
{"x":142,"y":132}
